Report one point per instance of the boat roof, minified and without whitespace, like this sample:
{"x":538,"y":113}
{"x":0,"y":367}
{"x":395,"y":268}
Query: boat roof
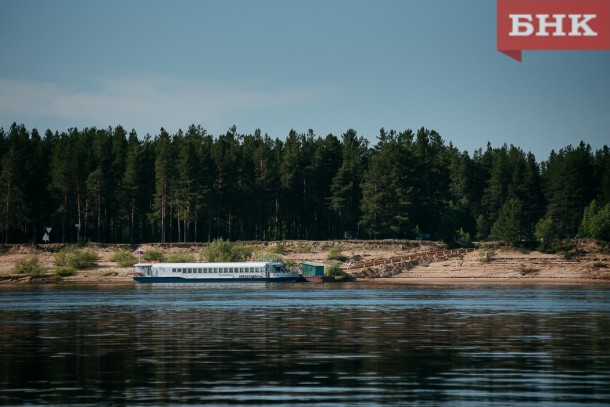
{"x":205,"y":264}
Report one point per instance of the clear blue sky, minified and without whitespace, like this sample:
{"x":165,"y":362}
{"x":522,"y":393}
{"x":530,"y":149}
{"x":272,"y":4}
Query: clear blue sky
{"x":326,"y":65}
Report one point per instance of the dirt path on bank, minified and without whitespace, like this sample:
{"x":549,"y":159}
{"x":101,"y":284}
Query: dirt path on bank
{"x":484,"y":264}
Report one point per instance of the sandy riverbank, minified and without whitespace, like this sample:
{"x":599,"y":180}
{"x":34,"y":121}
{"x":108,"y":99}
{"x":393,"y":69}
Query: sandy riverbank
{"x":484,"y":265}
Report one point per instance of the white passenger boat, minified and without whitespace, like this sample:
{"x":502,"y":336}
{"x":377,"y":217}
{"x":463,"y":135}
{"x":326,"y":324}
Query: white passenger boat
{"x":245,"y":272}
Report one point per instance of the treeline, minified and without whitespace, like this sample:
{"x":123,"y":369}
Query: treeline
{"x":193,"y":186}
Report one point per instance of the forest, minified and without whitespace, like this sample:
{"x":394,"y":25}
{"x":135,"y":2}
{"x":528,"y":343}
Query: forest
{"x":113,"y":186}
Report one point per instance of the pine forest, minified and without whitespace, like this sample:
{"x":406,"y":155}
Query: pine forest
{"x":113,"y":186}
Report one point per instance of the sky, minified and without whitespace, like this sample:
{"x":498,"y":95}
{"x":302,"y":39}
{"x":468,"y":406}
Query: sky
{"x":277,"y":65}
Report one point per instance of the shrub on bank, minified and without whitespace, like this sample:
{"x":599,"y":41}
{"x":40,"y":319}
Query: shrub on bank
{"x":64,"y":272}
{"x":221,"y":250}
{"x":334,"y":253}
{"x":181,"y":258}
{"x":487,"y":256}
{"x":124,"y":258}
{"x":153,"y":255}
{"x":30,"y":267}
{"x":335,"y":271}
{"x":75,"y":258}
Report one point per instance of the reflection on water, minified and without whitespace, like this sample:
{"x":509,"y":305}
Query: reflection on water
{"x":305,"y":344}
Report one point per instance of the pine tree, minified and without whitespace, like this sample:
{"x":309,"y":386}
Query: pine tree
{"x":388,"y":187}
{"x":226,"y":195}
{"x":346,"y":184}
{"x":432,"y":183}
{"x":510,"y":225}
{"x":64,"y":180}
{"x":323,"y":167}
{"x":131,"y":183}
{"x":163,"y":176}
{"x":569,"y":186}
{"x":13,"y":179}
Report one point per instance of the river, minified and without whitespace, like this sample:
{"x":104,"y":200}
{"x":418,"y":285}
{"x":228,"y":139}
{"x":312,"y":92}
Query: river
{"x":352,"y":344}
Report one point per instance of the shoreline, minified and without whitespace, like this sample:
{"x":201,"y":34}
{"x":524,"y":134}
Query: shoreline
{"x":372,"y":262}
{"x":486,"y":281}
{"x":8,"y":281}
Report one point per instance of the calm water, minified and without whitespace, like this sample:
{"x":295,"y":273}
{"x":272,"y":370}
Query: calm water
{"x":305,"y":344}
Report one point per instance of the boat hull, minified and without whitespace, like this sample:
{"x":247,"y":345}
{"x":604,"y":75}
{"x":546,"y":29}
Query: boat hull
{"x":318,"y":279}
{"x":165,"y":280}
